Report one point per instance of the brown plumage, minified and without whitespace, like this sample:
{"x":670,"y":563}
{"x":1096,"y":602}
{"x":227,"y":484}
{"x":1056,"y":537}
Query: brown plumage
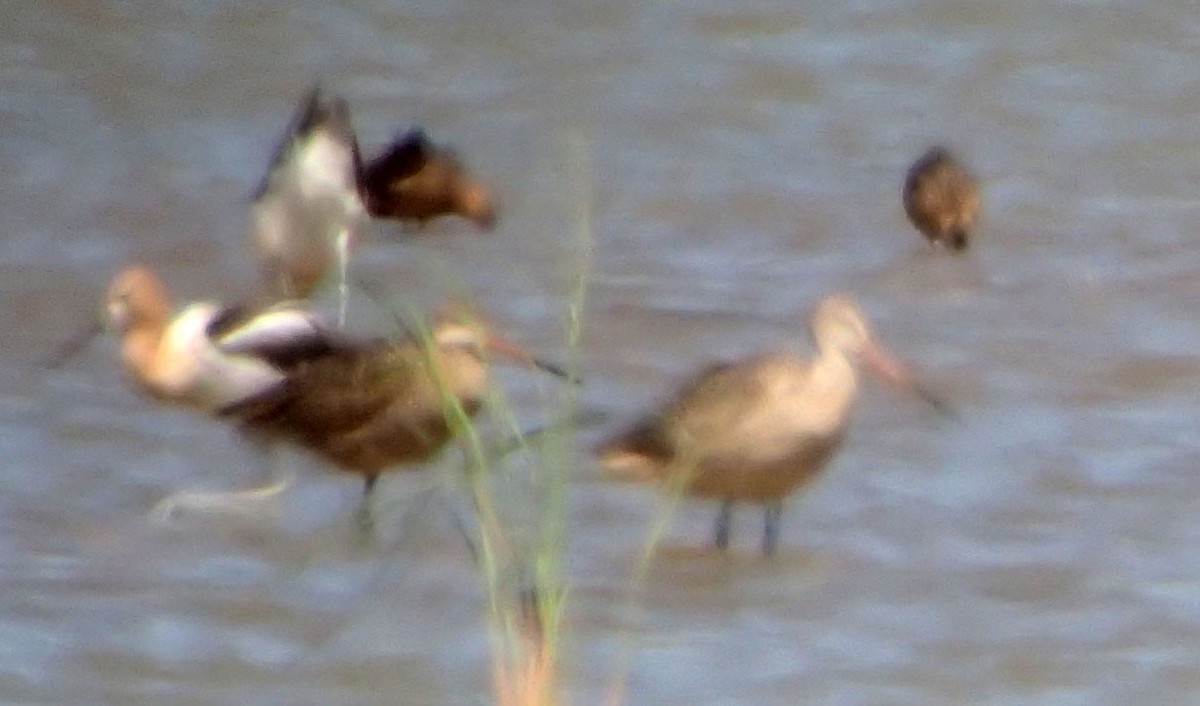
{"x":377,"y":406}
{"x":698,"y":422}
{"x":414,"y":179}
{"x":942,"y":199}
{"x":758,"y":429}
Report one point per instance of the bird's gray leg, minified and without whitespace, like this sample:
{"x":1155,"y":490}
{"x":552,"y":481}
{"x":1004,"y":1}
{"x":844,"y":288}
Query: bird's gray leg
{"x":365,"y":514}
{"x":724,"y":524}
{"x":771,"y":515}
{"x":252,"y":502}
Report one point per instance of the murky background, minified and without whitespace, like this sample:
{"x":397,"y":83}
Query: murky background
{"x":739,"y":160}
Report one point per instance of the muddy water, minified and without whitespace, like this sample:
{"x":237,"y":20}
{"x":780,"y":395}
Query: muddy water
{"x":739,"y":161}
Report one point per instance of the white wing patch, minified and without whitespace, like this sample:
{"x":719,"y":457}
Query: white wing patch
{"x":188,"y":367}
{"x":278,"y":328}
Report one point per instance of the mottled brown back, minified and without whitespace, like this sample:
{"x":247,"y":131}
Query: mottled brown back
{"x":942,"y":199}
{"x":365,"y":409}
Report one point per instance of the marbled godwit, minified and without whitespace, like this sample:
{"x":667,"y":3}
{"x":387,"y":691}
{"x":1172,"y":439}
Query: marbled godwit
{"x":942,"y":199}
{"x":372,"y":407}
{"x":758,"y":429}
{"x":367,"y":407}
{"x":414,"y":179}
{"x":308,"y":205}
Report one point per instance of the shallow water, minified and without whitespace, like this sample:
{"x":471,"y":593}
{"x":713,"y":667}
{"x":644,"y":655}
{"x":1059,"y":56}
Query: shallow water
{"x":740,"y":160}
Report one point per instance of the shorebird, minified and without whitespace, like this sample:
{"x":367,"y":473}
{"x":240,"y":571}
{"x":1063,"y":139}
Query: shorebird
{"x":367,"y":407}
{"x":942,"y":199}
{"x":372,"y":407}
{"x":758,"y":429}
{"x":309,"y":205}
{"x":317,"y":193}
{"x":415,"y":179}
{"x":192,"y":357}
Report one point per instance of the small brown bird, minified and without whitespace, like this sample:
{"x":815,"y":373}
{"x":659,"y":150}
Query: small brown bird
{"x":942,"y":199}
{"x":365,"y":406}
{"x":758,"y":429}
{"x":414,"y":179}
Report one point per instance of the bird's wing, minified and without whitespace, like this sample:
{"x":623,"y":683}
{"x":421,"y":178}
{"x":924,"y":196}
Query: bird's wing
{"x":716,"y":400}
{"x":404,"y":157}
{"x":339,"y":390}
{"x":318,"y":155}
{"x":282,"y":335}
{"x":709,"y":405}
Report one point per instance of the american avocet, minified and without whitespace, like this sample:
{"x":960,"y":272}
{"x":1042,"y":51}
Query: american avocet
{"x":942,"y":199}
{"x":414,"y":179}
{"x":193,"y":358}
{"x":367,"y":407}
{"x":185,"y":357}
{"x":758,"y":429}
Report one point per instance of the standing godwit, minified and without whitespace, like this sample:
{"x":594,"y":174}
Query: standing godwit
{"x":308,"y":205}
{"x":414,"y":179}
{"x":942,"y":199}
{"x":376,"y":406}
{"x":758,"y":429}
{"x":367,"y":407}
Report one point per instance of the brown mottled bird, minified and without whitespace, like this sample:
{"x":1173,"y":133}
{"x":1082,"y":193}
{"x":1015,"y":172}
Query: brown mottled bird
{"x":942,"y":199}
{"x":760,"y":428}
{"x":373,"y":407}
{"x":414,"y":179}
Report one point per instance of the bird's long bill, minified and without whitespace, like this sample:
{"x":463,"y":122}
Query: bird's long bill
{"x":74,"y":345}
{"x":507,"y":348}
{"x":883,"y":364}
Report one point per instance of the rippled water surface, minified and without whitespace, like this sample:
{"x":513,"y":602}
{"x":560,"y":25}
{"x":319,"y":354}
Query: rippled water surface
{"x":739,"y":160}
